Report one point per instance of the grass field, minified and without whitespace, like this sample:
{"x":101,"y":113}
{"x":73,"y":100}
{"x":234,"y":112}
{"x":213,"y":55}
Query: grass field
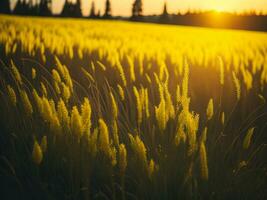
{"x":120,"y":110}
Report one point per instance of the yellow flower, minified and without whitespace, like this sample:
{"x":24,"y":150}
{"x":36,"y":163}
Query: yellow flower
{"x":161,"y":115}
{"x":92,"y":142}
{"x":204,"y":172}
{"x":103,"y":137}
{"x":44,"y":90}
{"x":180,"y":137}
{"x":33,"y":73}
{"x":76,"y":123}
{"x":222,"y":118}
{"x":131,"y":65}
{"x":122,"y":159}
{"x":138,"y":105}
{"x":140,"y":150}
{"x":204,"y":135}
{"x":121,"y":92}
{"x":86,"y":116}
{"x":115,"y":132}
{"x":38,"y":101}
{"x":247,"y":139}
{"x":221,"y":71}
{"x":63,"y":114}
{"x":237,"y":86}
{"x":65,"y":92}
{"x":122,"y":75}
{"x":56,"y":76}
{"x":37,"y":154}
{"x":113,"y":156}
{"x":151,"y":168}
{"x":47,"y":112}
{"x":209,"y":111}
{"x":114,"y":107}
{"x":16,"y":73}
{"x":26,"y":102}
{"x":12,"y":95}
{"x":146,"y":104}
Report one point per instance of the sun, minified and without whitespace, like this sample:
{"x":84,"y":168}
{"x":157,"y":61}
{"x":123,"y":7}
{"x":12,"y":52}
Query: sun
{"x":218,"y":7}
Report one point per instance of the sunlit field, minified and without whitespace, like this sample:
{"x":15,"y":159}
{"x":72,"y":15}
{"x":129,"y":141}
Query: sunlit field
{"x":122,"y":110}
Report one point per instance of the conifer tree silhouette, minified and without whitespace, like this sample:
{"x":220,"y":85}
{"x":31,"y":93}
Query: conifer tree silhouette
{"x":78,"y":9}
{"x":137,"y":9}
{"x":66,"y":9}
{"x":5,"y":6}
{"x":45,"y":8}
{"x":164,"y":18}
{"x":71,"y":9}
{"x":20,"y":8}
{"x":98,"y":14}
{"x":107,"y":9}
{"x":92,"y":11}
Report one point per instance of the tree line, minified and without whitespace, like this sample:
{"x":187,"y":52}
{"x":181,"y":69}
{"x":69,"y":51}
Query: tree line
{"x":70,"y":8}
{"x":248,"y":21}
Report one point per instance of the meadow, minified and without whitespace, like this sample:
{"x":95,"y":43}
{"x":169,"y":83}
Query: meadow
{"x":98,"y":109}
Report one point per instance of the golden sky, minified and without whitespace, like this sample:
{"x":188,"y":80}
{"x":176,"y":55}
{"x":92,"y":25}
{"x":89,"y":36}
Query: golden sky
{"x":123,"y":7}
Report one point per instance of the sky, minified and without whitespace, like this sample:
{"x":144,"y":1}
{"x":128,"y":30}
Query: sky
{"x":123,"y":7}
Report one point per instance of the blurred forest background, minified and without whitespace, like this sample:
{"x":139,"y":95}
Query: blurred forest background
{"x":250,"y":20}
